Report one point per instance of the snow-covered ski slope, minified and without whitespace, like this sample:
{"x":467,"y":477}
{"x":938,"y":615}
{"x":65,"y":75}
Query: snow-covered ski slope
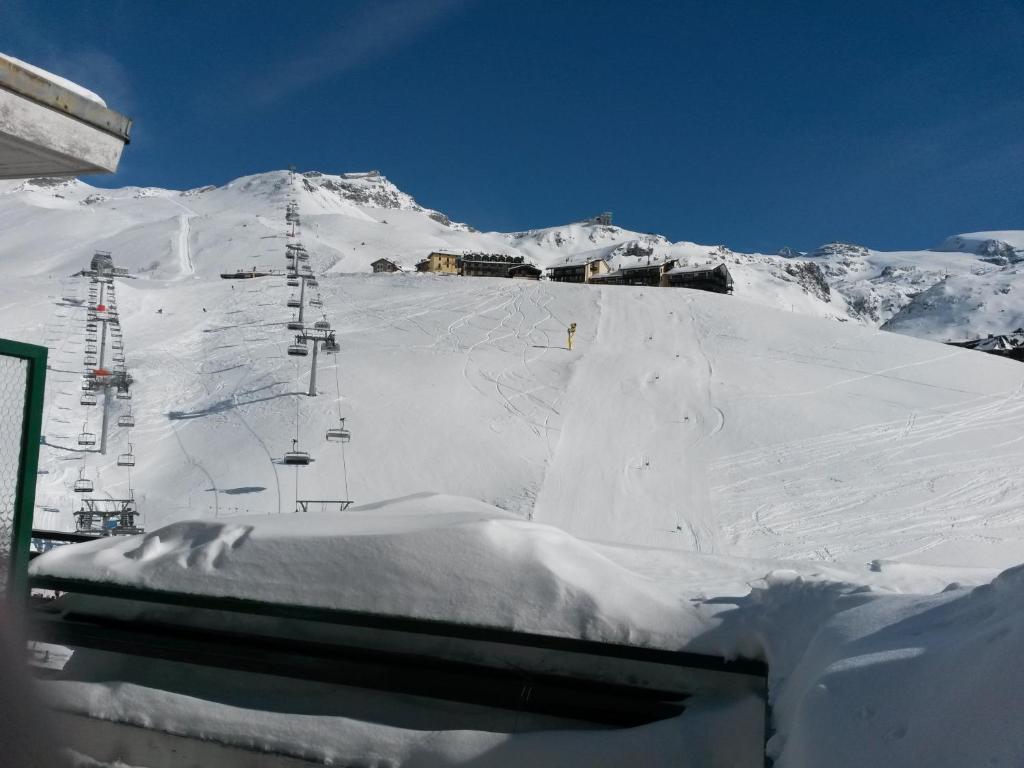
{"x":753,"y":424}
{"x":680,"y":419}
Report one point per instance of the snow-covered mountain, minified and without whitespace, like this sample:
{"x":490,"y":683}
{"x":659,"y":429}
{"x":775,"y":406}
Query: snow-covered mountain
{"x":961,"y":289}
{"x":765,"y":474}
{"x":462,"y":385}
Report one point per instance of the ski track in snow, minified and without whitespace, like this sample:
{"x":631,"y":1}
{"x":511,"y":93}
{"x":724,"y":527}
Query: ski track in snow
{"x":679,"y":420}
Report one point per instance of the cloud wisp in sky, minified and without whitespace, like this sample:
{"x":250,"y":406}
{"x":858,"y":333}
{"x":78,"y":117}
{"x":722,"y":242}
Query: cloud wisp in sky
{"x":371,"y":33}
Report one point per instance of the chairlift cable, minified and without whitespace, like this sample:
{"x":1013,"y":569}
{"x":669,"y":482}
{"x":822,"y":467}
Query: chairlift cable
{"x":344,"y":460}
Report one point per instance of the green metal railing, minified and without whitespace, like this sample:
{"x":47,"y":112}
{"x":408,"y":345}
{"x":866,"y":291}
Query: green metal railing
{"x":22,"y":386}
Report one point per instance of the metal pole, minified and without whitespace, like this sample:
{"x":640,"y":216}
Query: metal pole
{"x":302,"y":300}
{"x":103,"y":340}
{"x":312,"y":375}
{"x":106,"y":419}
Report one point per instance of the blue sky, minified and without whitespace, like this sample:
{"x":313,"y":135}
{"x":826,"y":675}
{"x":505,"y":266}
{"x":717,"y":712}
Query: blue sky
{"x":754,"y":124}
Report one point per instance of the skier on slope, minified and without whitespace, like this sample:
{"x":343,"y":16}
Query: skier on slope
{"x":572,"y":334}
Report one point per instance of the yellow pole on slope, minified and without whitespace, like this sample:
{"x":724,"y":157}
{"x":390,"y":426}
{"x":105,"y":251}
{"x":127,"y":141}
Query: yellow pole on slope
{"x":572,"y":333}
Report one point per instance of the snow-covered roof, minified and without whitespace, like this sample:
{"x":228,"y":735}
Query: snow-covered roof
{"x":50,"y":126}
{"x":689,"y":269}
{"x":646,"y":265}
{"x":578,"y":260}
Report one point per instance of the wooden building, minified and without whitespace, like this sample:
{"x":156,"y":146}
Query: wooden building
{"x":707,"y":278}
{"x":440,"y":262}
{"x":525,"y":272}
{"x":487,"y":264}
{"x":386,"y":265}
{"x":578,"y":269}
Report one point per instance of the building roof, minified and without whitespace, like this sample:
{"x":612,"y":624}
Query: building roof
{"x":647,"y":265}
{"x":577,"y":260}
{"x":682,"y":270}
{"x":51,"y":127}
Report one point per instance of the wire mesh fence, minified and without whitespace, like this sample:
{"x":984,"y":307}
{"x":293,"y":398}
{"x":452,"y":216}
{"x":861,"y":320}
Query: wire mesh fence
{"x":13,"y":386}
{"x":22,"y":380}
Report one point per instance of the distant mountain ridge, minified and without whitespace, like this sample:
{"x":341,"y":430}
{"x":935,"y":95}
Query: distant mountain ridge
{"x":963,"y":288}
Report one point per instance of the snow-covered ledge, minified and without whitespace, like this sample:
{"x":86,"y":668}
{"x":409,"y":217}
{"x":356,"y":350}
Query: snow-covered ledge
{"x":52,"y":127}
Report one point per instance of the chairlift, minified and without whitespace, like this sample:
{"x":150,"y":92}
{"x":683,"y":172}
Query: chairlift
{"x":322,"y":325}
{"x":330,"y":345}
{"x":90,"y":326}
{"x":86,"y":438}
{"x":126,"y":419}
{"x":90,"y":349}
{"x":83,"y":484}
{"x":316,"y":302}
{"x":87,"y":385}
{"x":88,"y":398}
{"x":89,"y":360}
{"x":293,"y":283}
{"x":295,"y":456}
{"x":90,"y":337}
{"x":126,"y":459}
{"x":294,"y":303}
{"x":295,"y":325}
{"x":118,"y":357}
{"x":312,"y":282}
{"x":298,"y":349}
{"x":123,"y":393}
{"x":339,"y":434}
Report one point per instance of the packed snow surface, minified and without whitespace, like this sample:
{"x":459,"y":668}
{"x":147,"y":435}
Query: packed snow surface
{"x":869,"y":665}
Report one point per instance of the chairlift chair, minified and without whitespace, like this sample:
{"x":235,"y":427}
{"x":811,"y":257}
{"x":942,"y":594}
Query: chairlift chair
{"x":293,"y":283}
{"x":339,"y":434}
{"x":83,"y":484}
{"x":90,"y":349}
{"x":123,"y":393}
{"x":331,"y":346}
{"x":312,"y":282}
{"x":88,"y":398}
{"x":316,"y":302}
{"x":90,"y":337}
{"x":87,"y":385}
{"x":89,"y":360}
{"x":126,"y":420}
{"x":295,"y":456}
{"x":126,"y":459}
{"x":322,"y":325}
{"x":117,"y":344}
{"x":86,"y":438}
{"x":294,"y":303}
{"x":118,"y":357}
{"x":298,"y":349}
{"x":295,"y":325}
